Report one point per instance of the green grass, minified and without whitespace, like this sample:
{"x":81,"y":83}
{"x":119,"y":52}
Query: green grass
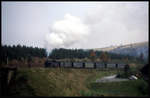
{"x":70,"y":82}
{"x":124,"y":88}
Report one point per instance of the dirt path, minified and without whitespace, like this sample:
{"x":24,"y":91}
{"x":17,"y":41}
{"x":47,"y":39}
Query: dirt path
{"x":111,"y":79}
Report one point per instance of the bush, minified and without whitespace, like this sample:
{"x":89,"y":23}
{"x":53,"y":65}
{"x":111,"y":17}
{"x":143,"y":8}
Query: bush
{"x":123,"y":74}
{"x":128,"y":73}
{"x":83,"y":93}
{"x":143,"y":87}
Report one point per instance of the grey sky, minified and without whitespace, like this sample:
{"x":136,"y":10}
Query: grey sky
{"x":28,"y":23}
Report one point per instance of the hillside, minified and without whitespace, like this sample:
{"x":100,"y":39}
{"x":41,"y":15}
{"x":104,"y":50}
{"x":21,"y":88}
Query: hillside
{"x":130,"y":49}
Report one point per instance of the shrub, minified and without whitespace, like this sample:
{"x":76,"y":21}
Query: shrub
{"x":128,"y":72}
{"x":143,"y":87}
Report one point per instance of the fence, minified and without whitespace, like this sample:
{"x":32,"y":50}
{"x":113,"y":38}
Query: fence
{"x":7,"y":75}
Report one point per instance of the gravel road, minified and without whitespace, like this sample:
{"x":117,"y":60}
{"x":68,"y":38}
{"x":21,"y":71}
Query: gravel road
{"x":111,"y":79}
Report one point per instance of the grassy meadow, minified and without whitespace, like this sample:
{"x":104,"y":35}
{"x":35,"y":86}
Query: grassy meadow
{"x":72,"y":82}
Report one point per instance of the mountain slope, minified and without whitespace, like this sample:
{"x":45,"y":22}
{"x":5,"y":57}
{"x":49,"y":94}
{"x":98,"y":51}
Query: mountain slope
{"x":135,"y":49}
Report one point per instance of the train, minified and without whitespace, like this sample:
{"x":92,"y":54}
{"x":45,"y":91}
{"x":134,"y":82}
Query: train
{"x":70,"y":64}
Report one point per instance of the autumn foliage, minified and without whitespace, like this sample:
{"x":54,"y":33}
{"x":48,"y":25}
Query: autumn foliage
{"x":92,"y":55}
{"x":104,"y":57}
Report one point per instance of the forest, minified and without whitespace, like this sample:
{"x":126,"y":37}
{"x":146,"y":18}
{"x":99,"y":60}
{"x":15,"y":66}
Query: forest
{"x":19,"y":52}
{"x":81,"y":53}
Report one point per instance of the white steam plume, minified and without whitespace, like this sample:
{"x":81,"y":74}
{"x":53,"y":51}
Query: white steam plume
{"x":65,"y":33}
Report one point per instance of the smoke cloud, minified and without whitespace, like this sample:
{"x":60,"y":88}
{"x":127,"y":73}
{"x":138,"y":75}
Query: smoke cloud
{"x":117,"y":23}
{"x":65,"y":33}
{"x":103,"y":24}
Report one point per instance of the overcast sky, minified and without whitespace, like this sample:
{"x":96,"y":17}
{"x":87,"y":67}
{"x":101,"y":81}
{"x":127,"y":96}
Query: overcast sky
{"x":74,"y":25}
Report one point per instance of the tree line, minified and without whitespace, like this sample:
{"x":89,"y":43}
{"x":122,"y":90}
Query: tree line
{"x":62,"y":53}
{"x":19,"y":52}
